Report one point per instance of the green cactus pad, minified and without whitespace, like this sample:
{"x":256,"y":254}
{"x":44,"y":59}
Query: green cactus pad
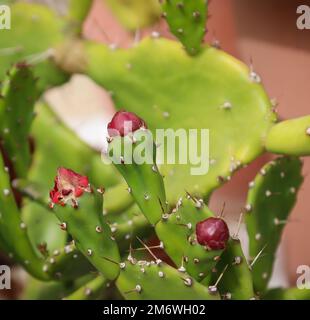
{"x":144,"y":180}
{"x":135,"y":14}
{"x":270,"y":199}
{"x":236,"y":282}
{"x":17,"y":98}
{"x":169,"y":89}
{"x":35,"y":30}
{"x":91,"y":233}
{"x":187,"y":21}
{"x":142,"y":281}
{"x":291,"y":137}
{"x":90,"y":290}
{"x":177,"y":232}
{"x":13,"y":231}
{"x":127,"y":225}
{"x":117,"y":199}
{"x":67,"y":264}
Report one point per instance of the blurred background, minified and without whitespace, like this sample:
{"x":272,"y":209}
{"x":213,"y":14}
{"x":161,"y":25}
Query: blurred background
{"x":262,"y":33}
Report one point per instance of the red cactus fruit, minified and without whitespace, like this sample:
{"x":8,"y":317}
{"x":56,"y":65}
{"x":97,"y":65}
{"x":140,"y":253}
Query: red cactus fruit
{"x":68,"y":185}
{"x":213,"y":233}
{"x":124,"y":122}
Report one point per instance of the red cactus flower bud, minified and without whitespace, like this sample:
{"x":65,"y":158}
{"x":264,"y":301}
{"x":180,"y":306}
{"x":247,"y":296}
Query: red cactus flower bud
{"x":69,"y":185}
{"x":124,"y":122}
{"x":213,"y":233}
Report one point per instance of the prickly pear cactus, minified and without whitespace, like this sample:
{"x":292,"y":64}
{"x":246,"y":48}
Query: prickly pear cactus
{"x":271,"y":196}
{"x":84,"y":229}
{"x":161,"y":66}
{"x":187,"y":21}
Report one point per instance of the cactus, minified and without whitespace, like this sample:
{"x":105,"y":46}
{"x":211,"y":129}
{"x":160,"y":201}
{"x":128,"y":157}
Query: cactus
{"x":140,"y":279}
{"x":291,"y":137}
{"x":18,"y":96}
{"x":234,"y":274}
{"x":38,"y":32}
{"x":97,"y":225}
{"x":187,"y":21}
{"x":271,"y":196}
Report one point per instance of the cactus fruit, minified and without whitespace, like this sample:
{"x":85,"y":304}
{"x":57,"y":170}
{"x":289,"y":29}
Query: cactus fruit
{"x":177,"y":233}
{"x":213,"y":233}
{"x":187,"y":21}
{"x":124,"y":123}
{"x":95,"y":241}
{"x":68,"y":185}
{"x":270,"y":199}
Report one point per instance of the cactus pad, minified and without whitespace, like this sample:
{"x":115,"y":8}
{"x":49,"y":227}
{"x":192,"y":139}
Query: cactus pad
{"x":142,"y":281}
{"x":187,"y":21}
{"x":169,"y":89}
{"x":177,"y":232}
{"x":291,"y":137}
{"x":236,"y":282}
{"x":270,"y":199}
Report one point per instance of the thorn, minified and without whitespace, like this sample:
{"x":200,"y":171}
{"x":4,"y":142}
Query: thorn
{"x":258,"y":255}
{"x":161,"y":206}
{"x":147,"y":248}
{"x":222,"y":211}
{"x":110,"y":260}
{"x":137,"y":289}
{"x":235,"y":236}
{"x":213,"y":289}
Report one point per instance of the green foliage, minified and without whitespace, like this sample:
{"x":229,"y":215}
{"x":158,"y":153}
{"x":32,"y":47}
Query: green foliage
{"x":144,"y":180}
{"x":291,"y":137}
{"x":187,"y":21}
{"x":94,"y":240}
{"x":13,"y":230}
{"x":142,"y":280}
{"x":169,"y":89}
{"x":270,"y":200}
{"x":177,"y":232}
{"x":236,"y":280}
{"x":35,"y":32}
{"x":17,"y":98}
{"x":79,"y":250}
